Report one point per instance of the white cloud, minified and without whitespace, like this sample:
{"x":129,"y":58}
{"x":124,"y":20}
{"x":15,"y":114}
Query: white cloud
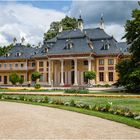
{"x":17,"y":20}
{"x":115,"y":14}
{"x":116,"y":30}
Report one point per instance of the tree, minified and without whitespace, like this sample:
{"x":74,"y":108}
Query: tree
{"x":36,"y":75}
{"x":5,"y":49}
{"x":129,"y":70}
{"x":90,"y":75}
{"x":21,"y":80}
{"x":132,"y":35}
{"x":14,"y":78}
{"x":67,"y":23}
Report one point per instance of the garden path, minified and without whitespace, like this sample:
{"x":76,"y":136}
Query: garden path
{"x":22,"y":121}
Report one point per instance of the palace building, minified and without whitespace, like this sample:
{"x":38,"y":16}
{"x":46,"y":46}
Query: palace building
{"x":64,"y":59}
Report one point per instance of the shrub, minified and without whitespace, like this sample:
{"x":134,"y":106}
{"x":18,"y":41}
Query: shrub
{"x":21,"y":80}
{"x":21,"y":97}
{"x":0,"y":96}
{"x":58,"y":102}
{"x":14,"y":78}
{"x":107,"y":85}
{"x":72,"y":103}
{"x":46,"y":99}
{"x":85,"y":91}
{"x":36,"y":75}
{"x":37,"y":86}
{"x":90,"y":75}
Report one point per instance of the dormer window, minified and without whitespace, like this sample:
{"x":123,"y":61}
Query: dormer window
{"x":68,"y":46}
{"x":90,"y":45}
{"x":7,"y":54}
{"x":106,"y":46}
{"x":18,"y":54}
{"x":46,"y":50}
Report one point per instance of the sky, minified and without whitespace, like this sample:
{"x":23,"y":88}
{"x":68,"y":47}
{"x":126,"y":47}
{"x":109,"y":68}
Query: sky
{"x":31,"y":19}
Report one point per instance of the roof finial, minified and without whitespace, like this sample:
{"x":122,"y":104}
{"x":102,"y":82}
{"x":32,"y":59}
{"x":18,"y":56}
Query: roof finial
{"x":102,"y":22}
{"x":80,"y":22}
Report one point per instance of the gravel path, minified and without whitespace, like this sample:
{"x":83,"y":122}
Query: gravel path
{"x":21,"y":121}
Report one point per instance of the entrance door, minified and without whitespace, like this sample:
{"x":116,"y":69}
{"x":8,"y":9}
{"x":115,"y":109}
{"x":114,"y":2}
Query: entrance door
{"x":5,"y":79}
{"x":72,"y":77}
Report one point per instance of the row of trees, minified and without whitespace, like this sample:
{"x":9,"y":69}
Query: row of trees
{"x":14,"y":78}
{"x":129,"y":69}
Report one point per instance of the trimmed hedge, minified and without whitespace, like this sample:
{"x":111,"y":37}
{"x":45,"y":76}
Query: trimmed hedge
{"x":79,"y":91}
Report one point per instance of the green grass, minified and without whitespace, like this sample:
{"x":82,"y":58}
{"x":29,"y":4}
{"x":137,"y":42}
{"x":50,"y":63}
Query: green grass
{"x":112,"y":92}
{"x":117,"y":118}
{"x":132,"y":103}
{"x":28,"y":90}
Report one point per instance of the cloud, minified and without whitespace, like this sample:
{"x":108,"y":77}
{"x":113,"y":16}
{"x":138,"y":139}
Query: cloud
{"x":17,"y":20}
{"x":115,"y":14}
{"x":114,"y":11}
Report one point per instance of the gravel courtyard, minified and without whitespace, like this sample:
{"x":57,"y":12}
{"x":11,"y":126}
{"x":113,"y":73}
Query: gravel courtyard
{"x":21,"y":121}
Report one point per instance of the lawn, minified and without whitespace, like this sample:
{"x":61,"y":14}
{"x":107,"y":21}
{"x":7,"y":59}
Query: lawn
{"x":132,"y":103}
{"x":61,"y":90}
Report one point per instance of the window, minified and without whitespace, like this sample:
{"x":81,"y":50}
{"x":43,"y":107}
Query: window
{"x":110,"y":61}
{"x":22,"y":76}
{"x":101,"y":76}
{"x":72,"y":64}
{"x":5,"y":65}
{"x":41,"y":78}
{"x":85,"y":62}
{"x":40,"y":64}
{"x":46,"y":50}
{"x":33,"y":64}
{"x":0,"y":78}
{"x":7,"y":54}
{"x":16,"y":65}
{"x":10,"y":65}
{"x":101,"y":61}
{"x":22,"y":65}
{"x":47,"y":64}
{"x":85,"y":79}
{"x":18,"y":54}
{"x":106,"y":46}
{"x":110,"y":76}
{"x":68,"y":46}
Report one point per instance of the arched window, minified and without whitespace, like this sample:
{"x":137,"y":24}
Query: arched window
{"x":18,"y":54}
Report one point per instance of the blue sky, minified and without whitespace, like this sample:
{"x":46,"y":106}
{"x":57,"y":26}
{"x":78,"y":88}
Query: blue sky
{"x":30,"y":19}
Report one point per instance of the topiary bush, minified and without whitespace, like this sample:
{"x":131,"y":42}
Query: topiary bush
{"x":37,"y":86}
{"x":14,"y":78}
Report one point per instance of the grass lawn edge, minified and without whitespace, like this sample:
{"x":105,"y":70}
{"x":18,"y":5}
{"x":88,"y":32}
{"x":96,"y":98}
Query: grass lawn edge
{"x":104,"y":115}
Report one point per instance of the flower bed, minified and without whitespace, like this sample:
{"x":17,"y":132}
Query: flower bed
{"x":109,"y":108}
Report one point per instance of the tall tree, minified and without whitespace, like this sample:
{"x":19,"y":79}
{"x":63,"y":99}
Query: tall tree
{"x":67,"y":23}
{"x":132,"y":35}
{"x":129,"y":70}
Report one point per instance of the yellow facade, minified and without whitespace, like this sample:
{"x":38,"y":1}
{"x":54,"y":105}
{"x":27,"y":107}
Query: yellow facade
{"x":51,"y":70}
